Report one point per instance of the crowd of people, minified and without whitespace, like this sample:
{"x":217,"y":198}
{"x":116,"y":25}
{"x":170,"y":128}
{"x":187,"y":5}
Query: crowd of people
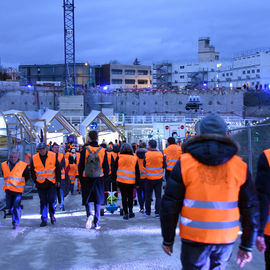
{"x":204,"y":181}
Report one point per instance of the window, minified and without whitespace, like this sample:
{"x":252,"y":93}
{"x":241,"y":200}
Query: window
{"x":117,"y":71}
{"x":231,"y":73}
{"x":253,"y":71}
{"x":130,"y":71}
{"x":180,"y":102}
{"x":227,"y":74}
{"x":142,"y":81}
{"x":244,"y":72}
{"x":223,"y":74}
{"x":258,"y":70}
{"x":129,"y":81}
{"x":248,"y":72}
{"x":117,"y":81}
{"x":182,"y":76}
{"x":142,"y":72}
{"x":182,"y":67}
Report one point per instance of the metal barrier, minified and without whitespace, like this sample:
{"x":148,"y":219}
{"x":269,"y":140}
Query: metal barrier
{"x":253,"y":139}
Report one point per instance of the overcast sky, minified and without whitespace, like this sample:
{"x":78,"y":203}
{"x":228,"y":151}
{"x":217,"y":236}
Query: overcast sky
{"x":31,"y":31}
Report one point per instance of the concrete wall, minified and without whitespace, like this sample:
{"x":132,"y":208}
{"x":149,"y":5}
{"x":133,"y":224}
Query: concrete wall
{"x":143,"y":103}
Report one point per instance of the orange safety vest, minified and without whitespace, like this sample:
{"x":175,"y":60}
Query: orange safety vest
{"x":27,"y":158}
{"x":126,"y":169}
{"x":110,"y":156}
{"x":73,"y":172}
{"x":142,"y":168}
{"x":210,"y":212}
{"x":45,"y":172}
{"x":267,"y":226}
{"x":154,"y":165}
{"x":101,"y":155}
{"x":173,"y":153}
{"x":60,"y":157}
{"x":14,"y":180}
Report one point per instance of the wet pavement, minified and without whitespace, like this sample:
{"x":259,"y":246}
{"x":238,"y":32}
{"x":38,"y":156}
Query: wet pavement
{"x":120,"y":244}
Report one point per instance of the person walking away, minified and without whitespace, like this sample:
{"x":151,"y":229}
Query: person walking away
{"x":210,"y":187}
{"x":93,"y":168}
{"x":46,"y":173}
{"x":141,"y":190}
{"x":60,"y":190}
{"x":15,"y":173}
{"x":172,"y":153}
{"x":127,"y":173}
{"x":73,"y":170}
{"x":263,"y":189}
{"x":154,"y":163}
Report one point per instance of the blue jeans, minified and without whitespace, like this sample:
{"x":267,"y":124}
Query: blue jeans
{"x":47,"y":197}
{"x":195,"y":256}
{"x":13,"y":201}
{"x":141,"y":193}
{"x":97,"y":212}
{"x":60,"y":196}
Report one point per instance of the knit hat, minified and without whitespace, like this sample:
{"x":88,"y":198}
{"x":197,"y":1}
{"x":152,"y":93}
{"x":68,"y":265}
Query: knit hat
{"x":213,"y":123}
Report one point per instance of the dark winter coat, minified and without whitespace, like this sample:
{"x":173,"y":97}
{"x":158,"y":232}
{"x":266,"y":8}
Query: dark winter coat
{"x":210,"y":150}
{"x":92,"y":188}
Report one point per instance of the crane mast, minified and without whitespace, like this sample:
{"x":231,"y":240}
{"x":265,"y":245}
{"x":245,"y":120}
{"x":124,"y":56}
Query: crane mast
{"x":69,"y":46}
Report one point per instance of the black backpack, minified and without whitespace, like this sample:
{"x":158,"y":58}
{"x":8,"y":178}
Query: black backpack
{"x":92,"y":166}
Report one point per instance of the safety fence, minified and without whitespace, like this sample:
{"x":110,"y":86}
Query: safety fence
{"x":253,"y":139}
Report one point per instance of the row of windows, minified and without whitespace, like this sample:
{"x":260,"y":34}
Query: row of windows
{"x":129,"y":72}
{"x":144,"y":103}
{"x":129,"y":81}
{"x":252,"y":71}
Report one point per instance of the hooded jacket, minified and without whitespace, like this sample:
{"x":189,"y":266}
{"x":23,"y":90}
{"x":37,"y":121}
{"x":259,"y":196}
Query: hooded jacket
{"x":209,"y":149}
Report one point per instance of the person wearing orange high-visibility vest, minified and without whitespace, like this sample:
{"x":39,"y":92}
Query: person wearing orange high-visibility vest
{"x":263,"y":189}
{"x":46,"y":173}
{"x":93,"y":187}
{"x":141,"y":189}
{"x":127,"y":174}
{"x":60,"y":190}
{"x":172,"y":153}
{"x":15,"y":173}
{"x":210,"y":187}
{"x":154,"y":163}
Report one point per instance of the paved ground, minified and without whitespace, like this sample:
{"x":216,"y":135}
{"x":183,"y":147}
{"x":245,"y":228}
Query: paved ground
{"x":132,"y":244}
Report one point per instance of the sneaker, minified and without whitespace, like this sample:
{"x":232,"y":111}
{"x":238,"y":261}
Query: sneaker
{"x":43,"y":224}
{"x":157,"y":215}
{"x":89,"y":222}
{"x":53,"y":220}
{"x":14,"y":226}
{"x":125,"y":217}
{"x":98,"y":228}
{"x":146,"y":215}
{"x":141,"y":210}
{"x":131,"y":215}
{"x":62,"y":208}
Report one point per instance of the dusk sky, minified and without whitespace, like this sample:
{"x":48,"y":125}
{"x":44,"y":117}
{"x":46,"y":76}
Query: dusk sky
{"x":31,"y":31}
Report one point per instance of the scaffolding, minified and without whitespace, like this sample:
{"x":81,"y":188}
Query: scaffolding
{"x":162,"y":76}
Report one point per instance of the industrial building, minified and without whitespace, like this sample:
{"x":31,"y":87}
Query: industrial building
{"x":36,"y":74}
{"x":248,"y":70}
{"x":118,"y":76}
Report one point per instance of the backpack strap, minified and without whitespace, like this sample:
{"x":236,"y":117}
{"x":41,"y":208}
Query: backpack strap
{"x":95,"y":152}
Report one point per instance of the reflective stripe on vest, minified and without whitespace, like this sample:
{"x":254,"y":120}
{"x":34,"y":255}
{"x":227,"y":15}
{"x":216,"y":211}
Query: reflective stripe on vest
{"x":47,"y":172}
{"x":267,"y":226}
{"x":210,"y":212}
{"x":126,"y":169}
{"x":14,"y":180}
{"x":101,"y":155}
